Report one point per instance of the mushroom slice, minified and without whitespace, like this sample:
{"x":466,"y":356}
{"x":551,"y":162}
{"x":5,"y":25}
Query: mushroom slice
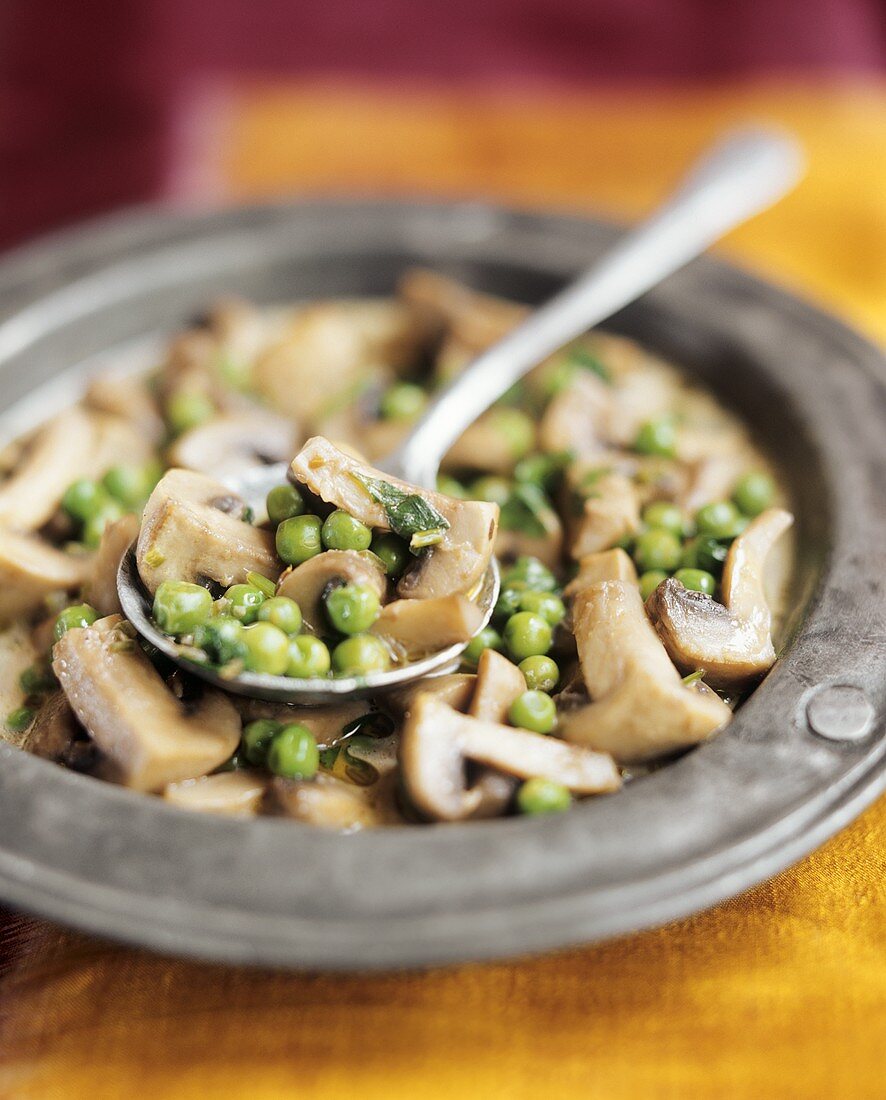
{"x":609,"y":512}
{"x":234,"y":794}
{"x":128,"y":398}
{"x":499,"y":683}
{"x":101,"y":588}
{"x":454,"y":565}
{"x":31,"y":570}
{"x":605,"y":565}
{"x":54,"y":730}
{"x":325,"y":723}
{"x":732,"y":640}
{"x":229,"y":443}
{"x":483,"y":446}
{"x":336,"y":804}
{"x":575,"y":418}
{"x":437,"y":740}
{"x":149,"y":735}
{"x":641,"y":708}
{"x":191,"y":531}
{"x":454,"y":688}
{"x":307,"y":583}
{"x":474,"y":319}
{"x":414,"y":628}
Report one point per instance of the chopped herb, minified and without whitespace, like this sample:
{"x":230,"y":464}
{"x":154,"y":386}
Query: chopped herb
{"x":582,"y":357}
{"x":410,"y":515}
{"x":155,"y":558}
{"x":264,"y":584}
{"x":527,"y":510}
{"x":19,"y":719}
{"x":694,"y":677}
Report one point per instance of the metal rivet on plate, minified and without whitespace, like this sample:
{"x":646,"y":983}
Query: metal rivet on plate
{"x":840,"y":712}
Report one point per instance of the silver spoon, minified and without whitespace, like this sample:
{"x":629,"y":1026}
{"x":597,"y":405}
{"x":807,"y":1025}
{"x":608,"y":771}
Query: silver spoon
{"x":741,"y":175}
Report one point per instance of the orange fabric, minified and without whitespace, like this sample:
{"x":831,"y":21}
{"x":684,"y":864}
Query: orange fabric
{"x":778,"y":993}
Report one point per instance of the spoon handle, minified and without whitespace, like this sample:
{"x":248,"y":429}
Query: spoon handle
{"x":742,"y":174}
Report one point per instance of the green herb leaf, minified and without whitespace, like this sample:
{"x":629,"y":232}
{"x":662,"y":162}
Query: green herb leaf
{"x":410,"y":515}
{"x":527,"y":510}
{"x":582,"y":357}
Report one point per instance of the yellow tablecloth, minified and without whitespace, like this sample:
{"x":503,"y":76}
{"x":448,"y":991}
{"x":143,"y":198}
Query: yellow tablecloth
{"x":778,"y":993}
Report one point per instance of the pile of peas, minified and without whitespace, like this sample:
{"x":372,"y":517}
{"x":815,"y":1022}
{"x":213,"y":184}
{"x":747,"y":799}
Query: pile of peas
{"x":91,"y":505}
{"x":260,"y":631}
{"x":694,"y":551}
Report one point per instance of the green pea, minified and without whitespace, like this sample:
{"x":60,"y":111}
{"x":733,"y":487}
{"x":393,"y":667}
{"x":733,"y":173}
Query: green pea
{"x":486,"y":639}
{"x":244,"y":602}
{"x":663,"y":514}
{"x":402,"y":401}
{"x":540,"y":673}
{"x":299,"y":539}
{"x":754,"y":493}
{"x":308,"y":658}
{"x":130,"y":485}
{"x":342,"y":531}
{"x":79,"y":615}
{"x":256,"y":739}
{"x":543,"y":470}
{"x":546,"y":604}
{"x":528,"y":572}
{"x":284,"y":502}
{"x":393,"y":551}
{"x":360,"y":655}
{"x":19,"y":719}
{"x":517,"y":427}
{"x":719,"y":521}
{"x":188,"y":410}
{"x":527,"y":635}
{"x":450,"y":487}
{"x":697,"y":580}
{"x":94,"y":527}
{"x":83,"y":498}
{"x":180,"y":607}
{"x":353,"y":608}
{"x":704,"y":553}
{"x":657,"y":549}
{"x":293,"y":753}
{"x":281,"y":612}
{"x":36,"y":679}
{"x":267,"y":649}
{"x":543,"y":796}
{"x":657,"y":437}
{"x":495,"y":490}
{"x":507,"y":604}
{"x":533,"y":710}
{"x":650,"y":580}
{"x":222,"y":639}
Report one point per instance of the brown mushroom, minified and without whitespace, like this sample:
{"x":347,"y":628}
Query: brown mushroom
{"x":326,"y":723}
{"x":54,"y":729}
{"x":234,"y":794}
{"x":605,"y":565}
{"x":31,"y":570}
{"x":609,"y":509}
{"x":454,"y":565}
{"x":499,"y":683}
{"x":575,"y":418}
{"x":483,"y":446}
{"x":232,"y":442}
{"x":129,"y":398}
{"x":151,"y":738}
{"x":415,"y":628}
{"x":336,"y":804}
{"x":474,"y":319}
{"x":731,"y":640}
{"x":101,"y":588}
{"x":437,"y":741}
{"x":454,"y":688}
{"x":641,"y":708}
{"x":191,"y":530}
{"x":307,"y":583}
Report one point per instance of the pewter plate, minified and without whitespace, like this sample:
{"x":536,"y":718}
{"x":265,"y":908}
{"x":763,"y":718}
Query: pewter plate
{"x":802,"y":758}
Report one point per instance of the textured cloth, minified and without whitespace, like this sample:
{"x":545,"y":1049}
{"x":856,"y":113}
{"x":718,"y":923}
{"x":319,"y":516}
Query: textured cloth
{"x":778,"y":993}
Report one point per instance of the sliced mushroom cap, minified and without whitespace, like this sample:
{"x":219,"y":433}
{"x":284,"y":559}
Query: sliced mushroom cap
{"x":189,"y":533}
{"x":454,"y":565}
{"x":331,"y":348}
{"x":454,"y":688}
{"x":610,"y":510}
{"x":499,"y":683}
{"x":415,"y":628}
{"x":641,"y":708}
{"x":336,"y":804}
{"x":75,"y":444}
{"x":325,"y":723}
{"x":605,"y":565}
{"x":234,"y":794}
{"x":437,"y":740}
{"x":101,"y":588}
{"x":235,"y":441}
{"x":151,"y":737}
{"x":482,"y":446}
{"x":732,"y":640}
{"x":54,"y":729}
{"x":575,"y":418}
{"x":130,"y":399}
{"x":307,"y":583}
{"x":31,"y":570}
{"x":474,"y":319}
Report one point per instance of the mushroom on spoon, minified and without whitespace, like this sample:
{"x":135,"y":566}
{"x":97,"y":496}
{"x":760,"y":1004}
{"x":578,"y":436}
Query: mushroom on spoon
{"x":739,"y":177}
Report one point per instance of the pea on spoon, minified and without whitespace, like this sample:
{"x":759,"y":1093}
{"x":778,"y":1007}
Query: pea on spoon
{"x":741,"y":175}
